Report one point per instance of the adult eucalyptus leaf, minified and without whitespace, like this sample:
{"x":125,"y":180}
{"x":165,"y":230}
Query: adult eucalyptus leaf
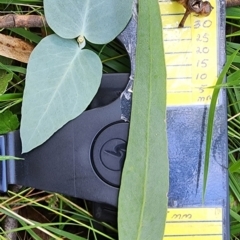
{"x":142,"y":205}
{"x":98,"y":21}
{"x":61,"y":81}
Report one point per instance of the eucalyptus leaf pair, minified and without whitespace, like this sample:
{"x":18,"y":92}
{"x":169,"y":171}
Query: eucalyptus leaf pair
{"x":62,"y":77}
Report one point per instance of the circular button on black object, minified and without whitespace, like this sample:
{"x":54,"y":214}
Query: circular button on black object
{"x":113,"y":154}
{"x":109,"y":151}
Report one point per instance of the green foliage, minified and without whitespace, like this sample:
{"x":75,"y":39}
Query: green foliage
{"x":3,"y":158}
{"x":59,"y":212}
{"x":5,"y":78}
{"x":8,"y":122}
{"x":144,"y":186}
{"x":98,"y":21}
{"x":152,"y":134}
{"x":210,"y":123}
{"x":62,"y":78}
{"x":61,"y":81}
{"x":233,"y":91}
{"x":60,"y":216}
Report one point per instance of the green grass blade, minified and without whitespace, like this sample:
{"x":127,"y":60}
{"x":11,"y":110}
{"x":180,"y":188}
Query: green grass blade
{"x":64,"y":233}
{"x":235,"y":215}
{"x":14,"y":215}
{"x":14,"y":69}
{"x":233,"y":183}
{"x":3,"y":158}
{"x":29,"y":230}
{"x":210,"y":123}
{"x":27,"y":34}
{"x":33,"y":203}
{"x":233,"y":13}
{"x":10,"y":96}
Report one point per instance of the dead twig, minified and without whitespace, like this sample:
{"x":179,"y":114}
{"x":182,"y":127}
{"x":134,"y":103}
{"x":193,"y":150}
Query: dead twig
{"x":27,"y":21}
{"x":199,"y":7}
{"x":232,"y":3}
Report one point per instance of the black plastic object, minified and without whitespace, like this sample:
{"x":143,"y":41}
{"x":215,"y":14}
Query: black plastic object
{"x":105,"y":212}
{"x":84,"y":159}
{"x":108,"y":152}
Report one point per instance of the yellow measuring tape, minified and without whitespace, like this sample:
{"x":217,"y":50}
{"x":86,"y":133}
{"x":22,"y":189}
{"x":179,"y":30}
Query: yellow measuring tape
{"x":190,"y":54}
{"x":194,"y":224}
{"x":192,"y":66}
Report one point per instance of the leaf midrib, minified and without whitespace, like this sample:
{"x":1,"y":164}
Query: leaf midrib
{"x":54,"y":94}
{"x":148,"y":134}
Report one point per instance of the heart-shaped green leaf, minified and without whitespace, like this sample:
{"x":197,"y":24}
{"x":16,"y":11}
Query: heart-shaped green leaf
{"x":98,"y":21}
{"x":61,"y":81}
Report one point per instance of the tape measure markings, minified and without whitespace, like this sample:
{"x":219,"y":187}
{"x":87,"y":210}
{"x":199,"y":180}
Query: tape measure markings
{"x":194,"y":214}
{"x":190,"y":55}
{"x":194,"y":224}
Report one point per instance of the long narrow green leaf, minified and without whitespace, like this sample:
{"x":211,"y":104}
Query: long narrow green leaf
{"x":3,"y":158}
{"x":29,"y":231}
{"x":142,"y":203}
{"x":234,"y":186}
{"x":10,"y":96}
{"x":235,"y":215}
{"x":211,"y":118}
{"x":37,"y":224}
{"x":15,"y":69}
{"x":27,"y":34}
{"x":64,"y":233}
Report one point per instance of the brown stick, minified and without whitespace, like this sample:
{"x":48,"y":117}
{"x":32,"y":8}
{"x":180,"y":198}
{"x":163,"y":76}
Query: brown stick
{"x":232,"y":3}
{"x":27,"y":21}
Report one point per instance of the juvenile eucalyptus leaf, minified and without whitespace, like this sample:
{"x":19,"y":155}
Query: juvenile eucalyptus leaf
{"x":143,"y":201}
{"x":61,"y":81}
{"x":98,"y":21}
